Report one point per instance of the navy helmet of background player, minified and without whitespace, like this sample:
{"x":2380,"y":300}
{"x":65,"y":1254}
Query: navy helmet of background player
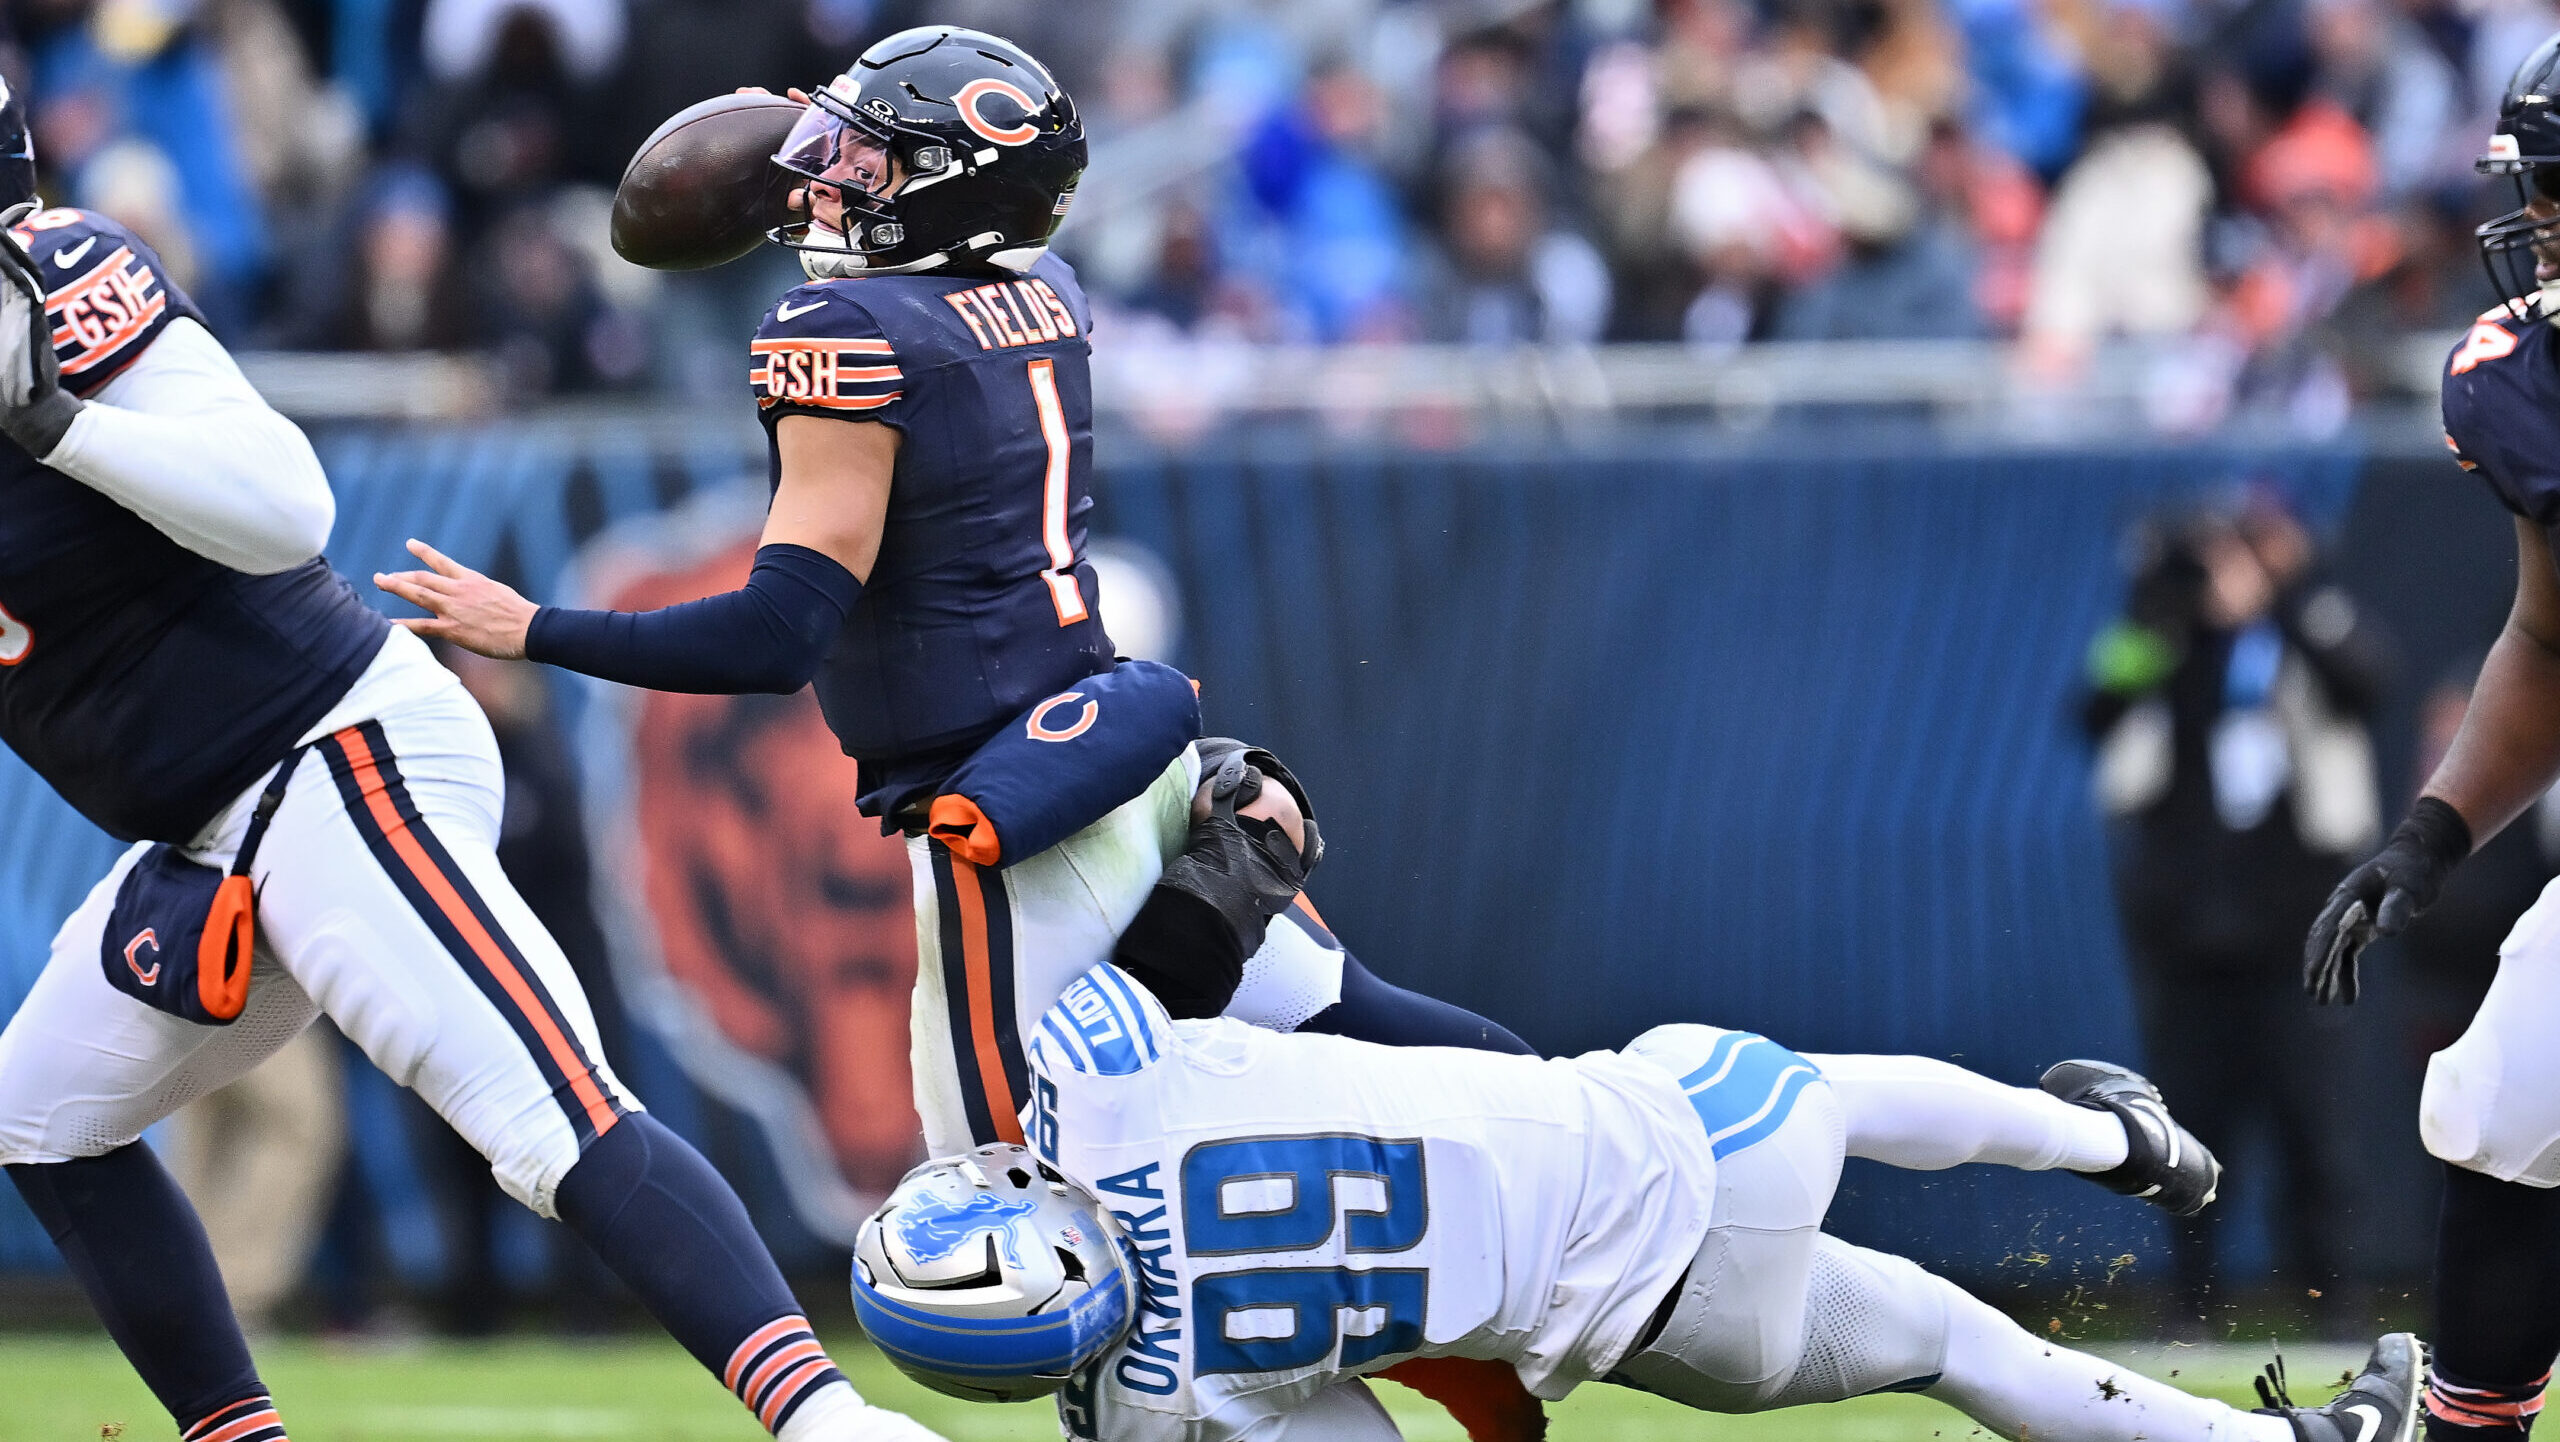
{"x":2526,"y":149}
{"x":940,"y":146}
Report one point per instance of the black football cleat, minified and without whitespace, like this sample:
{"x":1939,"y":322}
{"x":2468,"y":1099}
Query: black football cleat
{"x":2164,"y":1164}
{"x":2385,"y":1402}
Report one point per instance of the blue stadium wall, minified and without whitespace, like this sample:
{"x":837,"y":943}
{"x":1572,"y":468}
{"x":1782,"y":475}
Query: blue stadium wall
{"x":1660,"y":727}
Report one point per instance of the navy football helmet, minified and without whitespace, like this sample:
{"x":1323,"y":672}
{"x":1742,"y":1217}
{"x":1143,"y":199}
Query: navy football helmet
{"x":947,"y":147}
{"x":990,"y":1277}
{"x":2526,"y":149}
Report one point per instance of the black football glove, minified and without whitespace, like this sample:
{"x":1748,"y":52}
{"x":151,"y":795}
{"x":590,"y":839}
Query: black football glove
{"x":2380,"y":897}
{"x":35,"y":411}
{"x":1208,"y":913}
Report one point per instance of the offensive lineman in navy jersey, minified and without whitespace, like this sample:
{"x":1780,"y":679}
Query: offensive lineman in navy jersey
{"x":314,"y":805}
{"x":2491,"y":1107}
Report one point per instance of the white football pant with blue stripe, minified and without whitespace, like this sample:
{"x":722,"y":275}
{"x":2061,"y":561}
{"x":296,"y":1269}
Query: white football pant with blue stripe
{"x":1773,"y":1313}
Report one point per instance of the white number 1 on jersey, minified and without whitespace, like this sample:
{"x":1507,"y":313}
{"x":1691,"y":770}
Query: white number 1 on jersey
{"x":1061,"y":574}
{"x":15,"y":639}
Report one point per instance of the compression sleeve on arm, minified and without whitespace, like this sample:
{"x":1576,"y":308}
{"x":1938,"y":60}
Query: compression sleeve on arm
{"x":181,"y":439}
{"x":769,"y":635}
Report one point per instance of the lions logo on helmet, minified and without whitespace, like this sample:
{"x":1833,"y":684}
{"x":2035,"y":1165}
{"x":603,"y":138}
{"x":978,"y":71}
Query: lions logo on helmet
{"x":935,"y":1227}
{"x":946,"y":147}
{"x":1049,"y":1291}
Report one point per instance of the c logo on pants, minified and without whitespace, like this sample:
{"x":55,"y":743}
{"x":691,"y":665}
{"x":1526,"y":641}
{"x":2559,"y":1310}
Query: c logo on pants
{"x":1039,"y":729}
{"x":145,"y":937}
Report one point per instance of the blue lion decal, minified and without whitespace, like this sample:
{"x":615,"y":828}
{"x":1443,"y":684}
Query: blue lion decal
{"x":933,"y":1227}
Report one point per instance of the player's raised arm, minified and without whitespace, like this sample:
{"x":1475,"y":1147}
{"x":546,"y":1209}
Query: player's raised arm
{"x":2498,"y":404}
{"x":173,"y":433}
{"x":769,"y":635}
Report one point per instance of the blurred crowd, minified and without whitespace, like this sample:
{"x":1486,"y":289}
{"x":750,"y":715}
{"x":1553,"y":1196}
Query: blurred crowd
{"x":2267,"y":185}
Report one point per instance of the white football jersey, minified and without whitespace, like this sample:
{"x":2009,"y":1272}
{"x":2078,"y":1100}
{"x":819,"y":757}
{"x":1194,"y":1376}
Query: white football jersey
{"x":1305,"y":1206}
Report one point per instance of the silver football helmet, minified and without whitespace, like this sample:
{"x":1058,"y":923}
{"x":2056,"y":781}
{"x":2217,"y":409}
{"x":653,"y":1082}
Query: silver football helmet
{"x":988,"y":1276}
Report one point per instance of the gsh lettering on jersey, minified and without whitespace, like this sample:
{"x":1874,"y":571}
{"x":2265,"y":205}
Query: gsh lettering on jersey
{"x":102,"y":307}
{"x":836,"y":375}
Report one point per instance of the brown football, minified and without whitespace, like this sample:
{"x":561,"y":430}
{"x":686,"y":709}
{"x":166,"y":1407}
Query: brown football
{"x":703,"y":188}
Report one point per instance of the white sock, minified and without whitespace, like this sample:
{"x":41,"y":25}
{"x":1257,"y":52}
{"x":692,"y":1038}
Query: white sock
{"x":1924,"y":1115}
{"x":2021,"y":1386}
{"x":837,"y":1413}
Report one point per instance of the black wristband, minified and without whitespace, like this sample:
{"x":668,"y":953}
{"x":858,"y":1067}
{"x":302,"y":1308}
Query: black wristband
{"x":2436,"y":829}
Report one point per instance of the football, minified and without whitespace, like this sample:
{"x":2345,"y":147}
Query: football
{"x":703,"y":190}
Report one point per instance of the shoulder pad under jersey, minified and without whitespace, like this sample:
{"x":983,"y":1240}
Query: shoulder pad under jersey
{"x":2502,"y":411}
{"x":819,"y":353}
{"x":107,"y":291}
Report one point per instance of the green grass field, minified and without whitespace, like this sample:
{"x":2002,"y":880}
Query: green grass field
{"x":66,"y":1389}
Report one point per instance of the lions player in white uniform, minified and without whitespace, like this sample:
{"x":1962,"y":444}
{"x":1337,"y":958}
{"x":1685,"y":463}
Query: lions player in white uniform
{"x":1217,"y":1230}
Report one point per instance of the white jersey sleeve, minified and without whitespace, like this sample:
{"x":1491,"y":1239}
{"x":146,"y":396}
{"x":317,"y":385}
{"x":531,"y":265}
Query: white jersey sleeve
{"x":180,"y":438}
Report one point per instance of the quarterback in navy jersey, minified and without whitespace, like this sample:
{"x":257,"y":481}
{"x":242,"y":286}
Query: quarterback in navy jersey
{"x":314,"y":809}
{"x":928,"y":404}
{"x":2491,"y":1105}
{"x":928,"y":400}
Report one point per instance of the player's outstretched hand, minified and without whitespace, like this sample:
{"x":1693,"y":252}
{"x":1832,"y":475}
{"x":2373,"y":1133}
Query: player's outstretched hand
{"x":469,"y":609}
{"x":2381,"y":897}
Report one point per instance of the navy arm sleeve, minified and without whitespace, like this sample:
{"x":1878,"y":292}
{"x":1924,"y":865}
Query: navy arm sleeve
{"x":769,"y":635}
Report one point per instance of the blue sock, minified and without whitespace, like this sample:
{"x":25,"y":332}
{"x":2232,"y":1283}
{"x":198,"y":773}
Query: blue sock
{"x":133,"y":1241}
{"x":1375,"y":1010}
{"x":673,"y":1231}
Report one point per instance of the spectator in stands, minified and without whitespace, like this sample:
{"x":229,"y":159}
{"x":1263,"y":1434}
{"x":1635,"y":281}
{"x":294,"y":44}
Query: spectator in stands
{"x":2384,"y":72}
{"x":123,"y":80}
{"x":394,"y":285}
{"x":1325,"y":233}
{"x":2229,"y":708}
{"x":542,"y":313}
{"x":1510,"y":276}
{"x":2311,"y":187}
{"x":2028,"y":88}
{"x":2122,"y":250}
{"x":1912,"y":267}
{"x":517,"y":103}
{"x":1654,"y":276}
{"x":1747,"y":232}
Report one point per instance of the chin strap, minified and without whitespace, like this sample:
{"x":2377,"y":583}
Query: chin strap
{"x":836,"y":259}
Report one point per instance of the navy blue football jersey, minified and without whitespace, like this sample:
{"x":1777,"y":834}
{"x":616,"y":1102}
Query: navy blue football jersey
{"x":2502,"y":411}
{"x":981,"y":602}
{"x":147,"y":684}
